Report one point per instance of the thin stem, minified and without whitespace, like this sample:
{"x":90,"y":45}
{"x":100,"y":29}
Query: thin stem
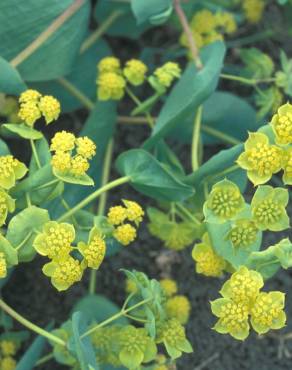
{"x":223,"y":173}
{"x":46,"y":34}
{"x":134,"y":318}
{"x":220,"y":135}
{"x":188,"y":213}
{"x":27,"y":198}
{"x":196,"y":138}
{"x":247,"y":81}
{"x":94,"y":195}
{"x":115,"y":317}
{"x":67,"y":207}
{"x":133,"y":120}
{"x":45,"y":359}
{"x":187,"y":30}
{"x":102,"y":202}
{"x":47,"y":184}
{"x":30,"y":325}
{"x":135,"y":99}
{"x":35,"y":154}
{"x":78,"y":94}
{"x":100,"y":31}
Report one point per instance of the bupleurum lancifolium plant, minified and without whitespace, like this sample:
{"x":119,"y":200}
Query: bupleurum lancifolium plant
{"x":178,"y":84}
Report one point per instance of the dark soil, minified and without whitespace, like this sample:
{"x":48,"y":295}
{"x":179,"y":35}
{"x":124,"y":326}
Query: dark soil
{"x":30,"y":293}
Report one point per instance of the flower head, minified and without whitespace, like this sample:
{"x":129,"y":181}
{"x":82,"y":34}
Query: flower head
{"x":167,"y":73}
{"x":208,"y":262}
{"x":3,"y":266}
{"x":253,"y":10}
{"x":94,"y":251}
{"x":204,"y":21}
{"x":63,"y":273}
{"x":10,"y":171}
{"x":86,"y":147}
{"x":55,"y":240}
{"x":268,"y":208}
{"x":168,"y":286}
{"x":79,"y":165}
{"x":8,"y":363}
{"x":243,"y":233}
{"x":110,"y":86}
{"x":50,"y":108}
{"x":61,"y":161}
{"x":226,"y":22}
{"x":63,"y":141}
{"x":8,"y":347}
{"x":282,"y":124}
{"x":224,"y":202}
{"x":125,"y":234}
{"x":287,"y":166}
{"x":134,"y":211}
{"x":7,"y":204}
{"x":260,"y":159}
{"x":135,"y":72}
{"x":117,"y":215}
{"x":267,"y":312}
{"x":178,"y":307}
{"x":109,"y":64}
{"x":29,"y":112}
{"x":131,"y":286}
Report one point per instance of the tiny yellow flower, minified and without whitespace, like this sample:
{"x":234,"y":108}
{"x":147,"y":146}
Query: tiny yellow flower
{"x":134,"y":211}
{"x":55,"y":240}
{"x":135,"y":72}
{"x":267,"y":312}
{"x":86,"y":147}
{"x":7,"y":204}
{"x":10,"y":171}
{"x":287,"y":166}
{"x":61,"y":161}
{"x":8,"y":348}
{"x":253,"y":10}
{"x":3,"y":266}
{"x":125,"y":234}
{"x":50,"y":108}
{"x":29,"y":96}
{"x":260,"y":158}
{"x":178,"y":307}
{"x":29,"y":112}
{"x":208,"y":262}
{"x":117,"y":215}
{"x":63,"y":141}
{"x":109,"y":64}
{"x":79,"y":166}
{"x":8,"y":363}
{"x":167,"y":73}
{"x":63,"y":273}
{"x":169,"y":287}
{"x":94,"y":251}
{"x":197,"y":37}
{"x":243,"y":233}
{"x":110,"y":86}
{"x":130,"y":286}
{"x":226,"y":21}
{"x":282,"y":124}
{"x":203,"y":22}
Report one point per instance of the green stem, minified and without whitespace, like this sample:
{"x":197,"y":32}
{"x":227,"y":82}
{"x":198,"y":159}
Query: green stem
{"x":188,"y":213}
{"x":30,"y":325}
{"x":196,"y":138}
{"x":102,"y":202}
{"x":251,"y":39}
{"x":220,"y":135}
{"x":78,"y":94}
{"x":115,"y":317}
{"x":28,"y":201}
{"x":247,"y":81}
{"x":135,"y":99}
{"x":67,"y":208}
{"x":222,"y":173}
{"x":134,"y":318}
{"x":100,"y":31}
{"x":35,"y":154}
{"x":45,"y":359}
{"x":94,"y":195}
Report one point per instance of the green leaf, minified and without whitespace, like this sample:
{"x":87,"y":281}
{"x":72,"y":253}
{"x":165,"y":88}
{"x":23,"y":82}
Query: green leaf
{"x":257,"y":64}
{"x":167,"y":156}
{"x":125,"y":25}
{"x":82,"y":76}
{"x":150,"y":177}
{"x":10,"y":253}
{"x":22,"y":230}
{"x":21,"y":24}
{"x":96,"y":307}
{"x":4,"y":150}
{"x":20,"y":129}
{"x":71,"y":179}
{"x":153,"y":11}
{"x":10,"y":80}
{"x":193,"y":88}
{"x":82,"y":347}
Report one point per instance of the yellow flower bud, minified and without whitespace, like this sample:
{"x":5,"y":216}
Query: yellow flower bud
{"x":94,"y":252}
{"x":125,"y":234}
{"x":3,"y":266}
{"x":86,"y":147}
{"x":135,"y":71}
{"x":29,"y":96}
{"x":50,"y":108}
{"x":61,"y":161}
{"x":167,"y":73}
{"x":253,"y":10}
{"x":204,"y":21}
{"x":79,"y":166}
{"x":109,"y":64}
{"x":63,"y":141}
{"x":8,"y":348}
{"x":135,"y":212}
{"x":116,"y":215}
{"x":29,"y":112}
{"x":169,"y":287}
{"x":178,"y":307}
{"x":8,"y":363}
{"x":110,"y":86}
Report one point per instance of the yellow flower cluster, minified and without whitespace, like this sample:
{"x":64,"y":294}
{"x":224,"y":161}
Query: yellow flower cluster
{"x":3,"y":266}
{"x":208,"y":27}
{"x":33,"y":105}
{"x":7,"y":351}
{"x":241,"y":299}
{"x":253,"y":10}
{"x":94,"y":251}
{"x":208,"y":262}
{"x":66,"y":162}
{"x":11,"y":169}
{"x":135,"y":72}
{"x":166,"y":74}
{"x":169,"y":287}
{"x":178,"y":307}
{"x":125,"y":233}
{"x":282,"y":125}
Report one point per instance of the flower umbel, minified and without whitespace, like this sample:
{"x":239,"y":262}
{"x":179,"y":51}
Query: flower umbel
{"x":110,"y":86}
{"x":243,"y":233}
{"x":94,"y":251}
{"x":109,"y":64}
{"x":135,"y":72}
{"x":50,"y":108}
{"x":10,"y":171}
{"x":287,"y":166}
{"x":167,"y":73}
{"x":63,"y":141}
{"x":3,"y":266}
{"x":125,"y":234}
{"x":178,"y":307}
{"x":282,"y":124}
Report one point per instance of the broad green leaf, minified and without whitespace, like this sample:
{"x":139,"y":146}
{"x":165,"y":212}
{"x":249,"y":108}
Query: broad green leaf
{"x":153,"y":11}
{"x":20,"y":129}
{"x":82,"y":76}
{"x":71,"y":179}
{"x":22,"y":230}
{"x":150,"y":177}
{"x":97,"y":308}
{"x":257,"y":64}
{"x":82,"y":347}
{"x":125,"y":24}
{"x":10,"y":80}
{"x":166,"y":155}
{"x":4,"y":150}
{"x":9,"y":252}
{"x":193,"y":88}
{"x":21,"y":24}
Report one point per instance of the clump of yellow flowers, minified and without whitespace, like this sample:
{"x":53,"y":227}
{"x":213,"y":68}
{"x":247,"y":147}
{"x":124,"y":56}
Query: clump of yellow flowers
{"x":242,"y":300}
{"x":253,"y":10}
{"x":34,"y":105}
{"x":113,"y":78}
{"x":124,"y":232}
{"x":71,"y":154}
{"x":261,"y":158}
{"x":8,"y":349}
